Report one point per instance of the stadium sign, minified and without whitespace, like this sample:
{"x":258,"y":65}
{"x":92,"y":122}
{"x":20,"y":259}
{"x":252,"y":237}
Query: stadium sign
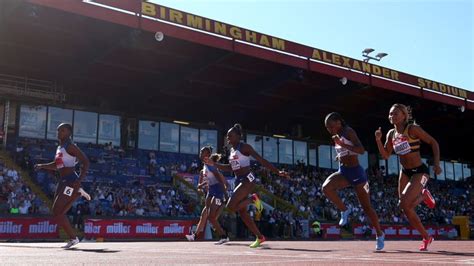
{"x":153,"y":17}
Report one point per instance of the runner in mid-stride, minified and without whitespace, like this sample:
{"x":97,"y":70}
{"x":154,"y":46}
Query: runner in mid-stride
{"x":405,"y":139}
{"x":350,"y":173}
{"x":69,"y":183}
{"x":239,"y":160}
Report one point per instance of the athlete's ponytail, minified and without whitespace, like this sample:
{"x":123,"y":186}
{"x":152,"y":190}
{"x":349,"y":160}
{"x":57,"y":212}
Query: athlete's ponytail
{"x":334,"y":117}
{"x":215,"y":157}
{"x":237,"y":128}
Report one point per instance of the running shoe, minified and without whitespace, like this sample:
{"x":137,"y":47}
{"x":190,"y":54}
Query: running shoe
{"x":84,"y":194}
{"x":344,"y":217}
{"x":190,"y":237}
{"x":380,"y":242}
{"x":71,"y":243}
{"x":223,"y":240}
{"x":257,"y":242}
{"x":425,"y":243}
{"x":428,"y":198}
{"x":257,"y":202}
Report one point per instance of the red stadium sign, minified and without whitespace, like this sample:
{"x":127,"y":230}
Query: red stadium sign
{"x":137,"y":228}
{"x":151,"y":17}
{"x":28,"y":228}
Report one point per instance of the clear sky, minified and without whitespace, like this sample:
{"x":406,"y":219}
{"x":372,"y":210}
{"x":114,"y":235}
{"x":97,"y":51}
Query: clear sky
{"x":428,"y":38}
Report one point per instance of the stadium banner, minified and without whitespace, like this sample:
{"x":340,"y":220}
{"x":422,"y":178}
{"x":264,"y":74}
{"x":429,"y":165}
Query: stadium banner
{"x":405,"y":232}
{"x":137,"y":228}
{"x":147,"y":10}
{"x":28,"y":228}
{"x":331,"y":231}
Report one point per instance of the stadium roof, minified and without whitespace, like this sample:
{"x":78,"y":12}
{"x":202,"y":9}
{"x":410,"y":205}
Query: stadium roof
{"x":104,"y":53}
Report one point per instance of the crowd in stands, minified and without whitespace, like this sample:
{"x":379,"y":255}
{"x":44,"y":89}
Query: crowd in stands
{"x":138,"y":183}
{"x":15,"y":196}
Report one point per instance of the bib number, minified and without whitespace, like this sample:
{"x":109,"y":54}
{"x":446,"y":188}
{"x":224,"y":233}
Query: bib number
{"x":424,"y":180}
{"x":251,"y":177}
{"x":218,"y":202}
{"x":68,"y":191}
{"x":402,"y":148}
{"x":235,"y":165}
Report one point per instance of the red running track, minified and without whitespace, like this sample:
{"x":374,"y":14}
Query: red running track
{"x":238,"y":253}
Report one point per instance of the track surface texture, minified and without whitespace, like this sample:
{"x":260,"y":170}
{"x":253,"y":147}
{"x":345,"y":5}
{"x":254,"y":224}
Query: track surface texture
{"x":237,"y":253}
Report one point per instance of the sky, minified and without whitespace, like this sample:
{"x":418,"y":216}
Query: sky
{"x":432,"y":39}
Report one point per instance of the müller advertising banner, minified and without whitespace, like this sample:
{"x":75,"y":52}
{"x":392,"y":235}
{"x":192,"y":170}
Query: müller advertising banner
{"x":137,"y":228}
{"x":28,"y":228}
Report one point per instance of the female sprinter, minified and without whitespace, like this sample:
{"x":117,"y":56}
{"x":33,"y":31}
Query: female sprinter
{"x":239,"y":160}
{"x":217,"y":186}
{"x":348,"y":147}
{"x":69,"y":185}
{"x":405,"y":139}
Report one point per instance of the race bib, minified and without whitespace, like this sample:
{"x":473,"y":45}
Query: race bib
{"x":366,"y":187}
{"x":402,"y":148}
{"x":235,"y":164}
{"x":68,"y":191}
{"x":251,"y":177}
{"x":218,"y":202}
{"x":424,"y":180}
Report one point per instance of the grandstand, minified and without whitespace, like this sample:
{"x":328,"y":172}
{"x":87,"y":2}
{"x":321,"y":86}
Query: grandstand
{"x":141,"y":109}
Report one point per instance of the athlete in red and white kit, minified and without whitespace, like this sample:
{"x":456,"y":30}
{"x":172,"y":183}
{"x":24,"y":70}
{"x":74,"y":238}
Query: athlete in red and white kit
{"x":69,"y":183}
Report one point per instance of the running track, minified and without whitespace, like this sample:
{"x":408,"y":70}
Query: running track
{"x":237,"y":253}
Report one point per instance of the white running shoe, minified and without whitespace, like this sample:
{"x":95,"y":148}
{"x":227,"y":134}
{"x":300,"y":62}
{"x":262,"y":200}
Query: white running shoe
{"x":344,"y":217}
{"x":222,"y":241}
{"x":190,"y":237}
{"x":84,"y":194}
{"x":71,"y":243}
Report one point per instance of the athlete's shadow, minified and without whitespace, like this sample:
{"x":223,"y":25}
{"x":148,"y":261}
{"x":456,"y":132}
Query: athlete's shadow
{"x":298,"y":249}
{"x":100,"y":250}
{"x":35,"y":247}
{"x":266,"y":246}
{"x":440,"y":252}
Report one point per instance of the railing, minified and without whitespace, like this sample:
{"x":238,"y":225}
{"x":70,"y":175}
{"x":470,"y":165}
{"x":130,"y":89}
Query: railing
{"x":35,"y":88}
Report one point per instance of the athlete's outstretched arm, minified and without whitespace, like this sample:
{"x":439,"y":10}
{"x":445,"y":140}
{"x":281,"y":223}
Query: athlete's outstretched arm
{"x":418,"y":132}
{"x":385,"y":150}
{"x":247,"y":149}
{"x":46,"y":166}
{"x":220,"y":166}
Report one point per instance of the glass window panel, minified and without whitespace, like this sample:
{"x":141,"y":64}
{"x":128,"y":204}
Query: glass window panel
{"x":334,"y":163}
{"x":443,"y":172}
{"x":466,"y":171}
{"x":256,"y":141}
{"x":313,"y":161}
{"x":57,"y":116}
{"x":324,"y":155}
{"x":109,"y":129}
{"x":85,"y":127}
{"x":364,"y":160}
{"x":301,"y":152}
{"x":285,"y":151}
{"x":448,"y":167}
{"x":208,"y":138}
{"x":270,"y":149}
{"x":169,"y":137}
{"x":189,"y":140}
{"x":148,"y":135}
{"x":458,"y":171}
{"x":32,"y":121}
{"x":393,"y":165}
